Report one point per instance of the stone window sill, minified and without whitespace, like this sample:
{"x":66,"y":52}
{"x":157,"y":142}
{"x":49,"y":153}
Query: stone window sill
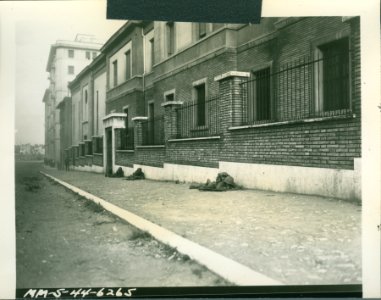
{"x":150,"y":146}
{"x":302,"y":121}
{"x":125,"y":151}
{"x":217,"y":137}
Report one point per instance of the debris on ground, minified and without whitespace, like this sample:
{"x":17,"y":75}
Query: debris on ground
{"x":138,"y":174}
{"x":31,"y":183}
{"x":223,"y":182}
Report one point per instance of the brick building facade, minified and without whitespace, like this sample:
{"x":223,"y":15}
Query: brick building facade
{"x":277,"y":105}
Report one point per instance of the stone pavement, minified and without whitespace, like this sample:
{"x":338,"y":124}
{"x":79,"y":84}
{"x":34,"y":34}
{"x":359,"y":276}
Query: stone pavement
{"x":296,"y":239}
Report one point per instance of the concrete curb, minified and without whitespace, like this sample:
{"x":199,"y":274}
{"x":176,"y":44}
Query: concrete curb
{"x":226,"y":268}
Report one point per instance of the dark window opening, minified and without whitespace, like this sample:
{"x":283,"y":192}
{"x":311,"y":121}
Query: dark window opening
{"x":170,"y":38}
{"x":261,"y":104}
{"x":200,"y":101}
{"x":90,"y":148}
{"x":201,"y":30}
{"x":128,"y":64}
{"x":71,"y":53}
{"x":170,"y":97}
{"x":99,"y":145}
{"x":335,"y":75}
{"x":87,"y":55}
{"x":115,"y":72}
{"x":152,"y":42}
{"x":71,"y":70}
{"x":97,"y":114}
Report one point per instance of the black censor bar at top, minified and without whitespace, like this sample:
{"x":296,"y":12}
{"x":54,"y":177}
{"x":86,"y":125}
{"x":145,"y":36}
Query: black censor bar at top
{"x":212,"y":11}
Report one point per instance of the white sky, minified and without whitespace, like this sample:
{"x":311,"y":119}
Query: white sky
{"x":38,"y":24}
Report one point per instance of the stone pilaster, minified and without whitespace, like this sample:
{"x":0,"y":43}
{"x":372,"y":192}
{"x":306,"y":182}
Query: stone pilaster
{"x":231,"y":98}
{"x":170,"y":119}
{"x":138,"y":130}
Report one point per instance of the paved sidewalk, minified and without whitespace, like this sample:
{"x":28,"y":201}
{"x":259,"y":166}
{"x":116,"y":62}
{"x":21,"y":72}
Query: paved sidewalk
{"x":296,"y":239}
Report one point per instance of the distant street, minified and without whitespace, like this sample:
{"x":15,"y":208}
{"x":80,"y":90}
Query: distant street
{"x":66,"y":241}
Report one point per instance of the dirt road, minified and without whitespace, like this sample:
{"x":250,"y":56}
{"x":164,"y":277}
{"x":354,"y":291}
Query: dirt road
{"x":66,"y":241}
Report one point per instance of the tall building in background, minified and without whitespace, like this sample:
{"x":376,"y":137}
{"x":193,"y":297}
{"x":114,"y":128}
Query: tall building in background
{"x":66,"y":60}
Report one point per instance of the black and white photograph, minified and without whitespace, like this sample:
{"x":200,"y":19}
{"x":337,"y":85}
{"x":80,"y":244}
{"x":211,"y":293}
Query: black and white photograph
{"x":194,"y":155}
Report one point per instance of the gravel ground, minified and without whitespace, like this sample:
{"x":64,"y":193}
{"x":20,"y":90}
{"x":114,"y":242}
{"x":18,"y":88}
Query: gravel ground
{"x":296,"y":239}
{"x":66,"y":241}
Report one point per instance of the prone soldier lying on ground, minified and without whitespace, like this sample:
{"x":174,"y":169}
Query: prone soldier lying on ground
{"x":138,"y":174}
{"x":223,"y":182}
{"x":119,"y":173}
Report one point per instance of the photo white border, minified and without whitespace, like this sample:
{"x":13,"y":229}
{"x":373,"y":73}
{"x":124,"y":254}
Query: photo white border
{"x":369,"y":12}
{"x":7,"y":134}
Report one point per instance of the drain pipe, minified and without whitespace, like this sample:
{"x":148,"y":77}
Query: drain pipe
{"x":144,"y":69}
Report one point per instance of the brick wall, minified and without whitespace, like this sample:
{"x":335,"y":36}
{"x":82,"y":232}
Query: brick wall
{"x":89,"y":160}
{"x":134,"y":100}
{"x":182,"y":81}
{"x":328,"y":144}
{"x":125,"y":158}
{"x":148,"y":156}
{"x":81,"y":161}
{"x":295,"y":44}
{"x":98,"y":160}
{"x":325,"y":144}
{"x":205,"y":153}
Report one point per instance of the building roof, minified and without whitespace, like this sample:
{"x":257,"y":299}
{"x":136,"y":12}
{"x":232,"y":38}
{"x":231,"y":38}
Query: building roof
{"x":80,"y":44}
{"x":120,"y":32}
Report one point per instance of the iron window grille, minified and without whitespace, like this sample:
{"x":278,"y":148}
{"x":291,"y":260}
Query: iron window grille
{"x":304,"y":88}
{"x":98,"y":144}
{"x":188,"y":119}
{"x":125,"y":138}
{"x":153,"y":131}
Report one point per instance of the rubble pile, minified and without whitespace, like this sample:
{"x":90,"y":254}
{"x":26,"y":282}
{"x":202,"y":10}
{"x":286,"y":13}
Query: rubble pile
{"x":223,"y":182}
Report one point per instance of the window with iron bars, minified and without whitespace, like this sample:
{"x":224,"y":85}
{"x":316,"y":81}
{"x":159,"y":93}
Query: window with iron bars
{"x":153,"y":131}
{"x":98,"y":144}
{"x":82,"y":149}
{"x":124,"y":138}
{"x":188,"y":117}
{"x":304,"y":88}
{"x":89,"y":148}
{"x":332,"y":78}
